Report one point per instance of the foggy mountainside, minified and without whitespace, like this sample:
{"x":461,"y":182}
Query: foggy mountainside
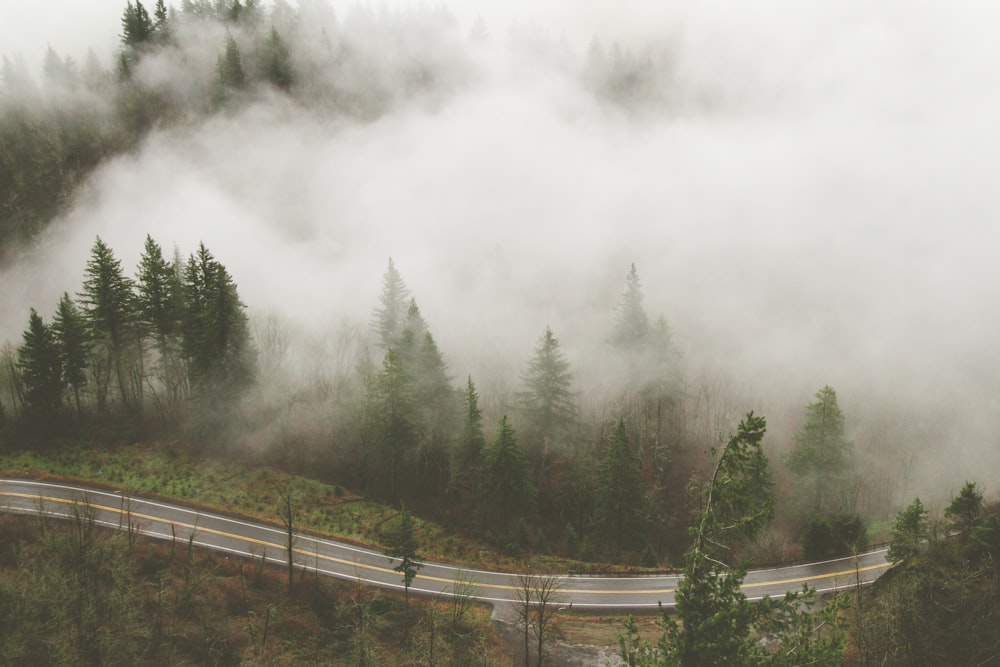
{"x":452,"y":248}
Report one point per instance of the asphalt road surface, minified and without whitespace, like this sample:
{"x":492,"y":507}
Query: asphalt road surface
{"x":253,"y":539}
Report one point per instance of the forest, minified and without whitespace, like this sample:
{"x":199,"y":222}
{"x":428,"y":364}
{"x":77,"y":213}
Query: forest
{"x":596,"y":444}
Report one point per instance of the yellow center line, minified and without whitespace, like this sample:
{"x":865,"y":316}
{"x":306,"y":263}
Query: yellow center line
{"x":313,"y":554}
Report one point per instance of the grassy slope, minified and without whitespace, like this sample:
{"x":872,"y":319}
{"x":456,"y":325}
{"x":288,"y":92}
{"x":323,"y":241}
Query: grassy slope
{"x":166,"y":471}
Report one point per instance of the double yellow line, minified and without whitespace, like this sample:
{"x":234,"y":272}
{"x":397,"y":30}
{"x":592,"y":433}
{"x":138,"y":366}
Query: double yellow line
{"x":315,"y":554}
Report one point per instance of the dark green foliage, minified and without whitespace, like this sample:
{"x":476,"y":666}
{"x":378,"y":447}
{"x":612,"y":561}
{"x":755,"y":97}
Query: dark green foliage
{"x":230,"y":67}
{"x":632,"y":327}
{"x":908,"y":532}
{"x":508,"y":492}
{"x":966,"y":508}
{"x":467,"y":465}
{"x":547,"y":401}
{"x":985,"y":536}
{"x":108,"y":303}
{"x":402,"y":544}
{"x":217,"y":344}
{"x":941,"y":608}
{"x":621,"y":507}
{"x":72,"y":338}
{"x":828,"y":536}
{"x":160,"y":305}
{"x":741,"y":495}
{"x":137,"y":26}
{"x":823,"y":456}
{"x":715,"y":623}
{"x":41,"y":369}
{"x":392,"y":427}
{"x":275,"y":64}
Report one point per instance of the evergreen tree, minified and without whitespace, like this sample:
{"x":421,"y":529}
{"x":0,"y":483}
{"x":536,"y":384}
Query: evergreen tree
{"x":822,"y":459}
{"x":230,"y":67}
{"x":275,"y":62}
{"x":71,"y":337}
{"x":403,"y":544}
{"x":107,"y":302}
{"x":468,"y":462}
{"x":621,"y":507}
{"x":715,"y":623}
{"x":41,"y":369}
{"x":908,"y":532}
{"x":966,"y":508}
{"x":392,"y":424}
{"x":389,"y":318}
{"x":508,"y":491}
{"x":160,"y":311}
{"x":632,"y":327}
{"x":547,"y":401}
{"x":161,"y":22}
{"x":137,"y":26}
{"x":216,"y":342}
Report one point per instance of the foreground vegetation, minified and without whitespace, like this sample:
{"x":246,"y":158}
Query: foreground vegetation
{"x":75,"y":594}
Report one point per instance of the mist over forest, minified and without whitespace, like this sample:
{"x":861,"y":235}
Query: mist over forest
{"x":807,"y":194}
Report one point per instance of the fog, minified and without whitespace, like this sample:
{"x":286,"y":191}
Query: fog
{"x":814,"y":203}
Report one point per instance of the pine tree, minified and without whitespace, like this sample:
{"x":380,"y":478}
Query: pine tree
{"x":632,"y":328}
{"x":393,"y":427}
{"x":508,"y":491}
{"x":107,"y":302}
{"x":718,"y":625}
{"x":547,"y":400}
{"x":966,"y":508}
{"x":41,"y":369}
{"x":908,"y":532}
{"x":161,"y":23}
{"x":621,"y":506}
{"x":389,"y":318}
{"x":823,"y":457}
{"x":216,"y":342}
{"x":72,"y":338}
{"x":160,"y":312}
{"x":467,"y":465}
{"x":230,"y":67}
{"x":275,"y":62}
{"x":137,"y":27}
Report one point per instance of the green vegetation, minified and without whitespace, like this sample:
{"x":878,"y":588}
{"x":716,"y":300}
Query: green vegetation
{"x":942,"y":604}
{"x":715,"y":623}
{"x":72,"y":593}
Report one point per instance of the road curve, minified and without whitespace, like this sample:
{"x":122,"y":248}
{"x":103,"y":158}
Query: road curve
{"x":253,"y":539}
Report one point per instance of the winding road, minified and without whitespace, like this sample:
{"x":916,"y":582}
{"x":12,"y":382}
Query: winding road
{"x":253,"y":539}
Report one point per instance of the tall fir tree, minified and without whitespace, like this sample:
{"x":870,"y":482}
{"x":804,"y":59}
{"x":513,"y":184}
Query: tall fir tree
{"x":822,"y":458}
{"x":275,"y":62}
{"x":392,"y":427}
{"x":160,"y":312}
{"x":107,"y":302}
{"x":547,"y":400}
{"x":467,"y":463}
{"x":217,"y":344}
{"x":72,"y":338}
{"x":508,"y":492}
{"x":41,"y":369}
{"x":621,"y":505}
{"x":230,"y":68}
